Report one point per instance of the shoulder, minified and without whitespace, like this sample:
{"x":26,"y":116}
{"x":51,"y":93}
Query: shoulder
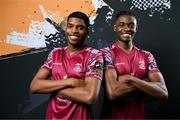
{"x":142,"y":51}
{"x":148,"y":55}
{"x":91,"y":50}
{"x":108,"y":49}
{"x":56,"y":50}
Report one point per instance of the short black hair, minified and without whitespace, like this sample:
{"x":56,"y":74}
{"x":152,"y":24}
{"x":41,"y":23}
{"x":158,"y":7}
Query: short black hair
{"x":121,"y":13}
{"x":80,"y":15}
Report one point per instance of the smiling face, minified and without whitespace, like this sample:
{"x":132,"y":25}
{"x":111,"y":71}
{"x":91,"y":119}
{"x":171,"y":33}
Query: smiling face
{"x":76,"y":31}
{"x":125,"y":26}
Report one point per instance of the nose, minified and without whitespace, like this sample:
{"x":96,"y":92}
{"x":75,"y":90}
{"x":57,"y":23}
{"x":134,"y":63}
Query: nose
{"x":126,"y":27}
{"x":74,"y":30}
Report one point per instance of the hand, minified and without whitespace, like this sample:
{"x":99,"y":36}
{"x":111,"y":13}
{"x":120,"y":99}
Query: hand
{"x":146,"y":79}
{"x":74,"y":82}
{"x":126,"y":78}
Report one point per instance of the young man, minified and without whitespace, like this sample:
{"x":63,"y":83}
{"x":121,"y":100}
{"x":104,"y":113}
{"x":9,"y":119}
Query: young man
{"x":76,"y":73}
{"x":129,"y":73}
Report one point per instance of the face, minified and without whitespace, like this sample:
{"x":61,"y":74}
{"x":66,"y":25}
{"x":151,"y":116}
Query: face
{"x":125,"y":26}
{"x":76,"y":31}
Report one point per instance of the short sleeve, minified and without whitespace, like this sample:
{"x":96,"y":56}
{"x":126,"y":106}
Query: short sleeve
{"x":108,"y":59}
{"x":95,"y":65}
{"x":152,"y":65}
{"x":48,"y":63}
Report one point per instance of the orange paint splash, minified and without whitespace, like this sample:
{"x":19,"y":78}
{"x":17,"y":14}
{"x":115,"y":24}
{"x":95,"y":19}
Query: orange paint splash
{"x":16,"y":15}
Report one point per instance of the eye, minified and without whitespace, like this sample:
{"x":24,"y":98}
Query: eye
{"x":131,"y":26}
{"x":81,"y":27}
{"x":121,"y":24}
{"x":69,"y":26}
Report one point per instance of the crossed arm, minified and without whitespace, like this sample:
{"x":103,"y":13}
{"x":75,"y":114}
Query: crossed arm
{"x":85,"y":91}
{"x":117,"y":86}
{"x":88,"y":93}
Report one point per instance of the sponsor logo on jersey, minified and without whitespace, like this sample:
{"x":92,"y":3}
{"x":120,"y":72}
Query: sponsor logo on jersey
{"x":120,"y":63}
{"x":57,"y":63}
{"x":60,"y":100}
{"x":132,"y":74}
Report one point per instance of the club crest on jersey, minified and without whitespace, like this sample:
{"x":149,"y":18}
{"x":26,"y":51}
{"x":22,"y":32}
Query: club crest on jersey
{"x":77,"y":67}
{"x":142,"y":65}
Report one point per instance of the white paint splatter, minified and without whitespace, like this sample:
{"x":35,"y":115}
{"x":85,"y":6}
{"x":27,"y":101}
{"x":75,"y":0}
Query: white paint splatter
{"x":91,"y":19}
{"x":152,"y":5}
{"x":98,"y":4}
{"x":35,"y":37}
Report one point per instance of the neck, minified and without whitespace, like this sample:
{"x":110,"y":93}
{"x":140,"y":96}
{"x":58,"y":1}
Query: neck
{"x":74,"y":48}
{"x":126,"y":46}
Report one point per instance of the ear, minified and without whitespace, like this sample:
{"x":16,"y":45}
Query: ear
{"x":87,"y":31}
{"x":114,"y":28}
{"x":136,"y":28}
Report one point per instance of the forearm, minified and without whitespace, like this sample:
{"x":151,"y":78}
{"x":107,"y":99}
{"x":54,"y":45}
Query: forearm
{"x":76,"y":94}
{"x":48,"y":86}
{"x":121,"y":90}
{"x":87,"y":94}
{"x":152,"y":88}
{"x":116,"y":86}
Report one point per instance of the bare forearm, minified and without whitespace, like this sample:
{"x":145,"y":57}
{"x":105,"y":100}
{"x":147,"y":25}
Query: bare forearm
{"x":42,"y":84}
{"x":48,"y":86}
{"x":118,"y":88}
{"x":124,"y":91}
{"x":121,"y":91}
{"x":87,"y":94}
{"x":152,"y":88}
{"x":77,"y":94}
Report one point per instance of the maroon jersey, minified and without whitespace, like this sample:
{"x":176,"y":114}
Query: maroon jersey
{"x":138,"y":63}
{"x":85,"y":63}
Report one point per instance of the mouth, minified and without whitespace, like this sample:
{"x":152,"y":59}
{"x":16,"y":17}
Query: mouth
{"x":74,"y":37}
{"x":126,"y":35}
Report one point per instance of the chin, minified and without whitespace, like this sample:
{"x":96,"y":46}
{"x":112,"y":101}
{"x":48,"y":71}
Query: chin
{"x":125,"y":40}
{"x":73,"y":43}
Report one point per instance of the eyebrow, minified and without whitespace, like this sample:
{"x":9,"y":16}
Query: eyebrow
{"x":81,"y":25}
{"x":126,"y":23}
